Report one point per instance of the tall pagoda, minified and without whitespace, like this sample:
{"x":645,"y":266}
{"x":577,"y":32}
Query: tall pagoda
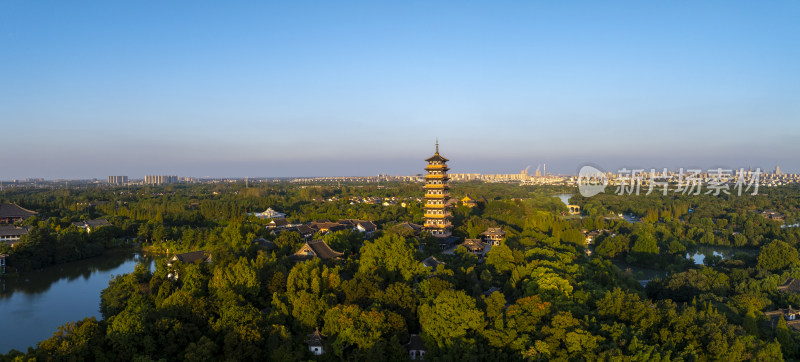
{"x":437,"y":219}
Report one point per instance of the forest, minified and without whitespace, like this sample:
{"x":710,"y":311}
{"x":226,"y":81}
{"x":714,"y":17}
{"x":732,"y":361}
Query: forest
{"x":542,"y":294}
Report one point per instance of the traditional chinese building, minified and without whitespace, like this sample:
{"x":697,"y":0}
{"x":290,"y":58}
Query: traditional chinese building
{"x":11,"y":213}
{"x":431,"y":262}
{"x":11,"y":234}
{"x":316,"y":249}
{"x":416,"y":348}
{"x":474,"y":246}
{"x":90,"y":225}
{"x":437,"y":218}
{"x":192,"y":257}
{"x":468,"y":201}
{"x":790,"y":285}
{"x":316,"y":343}
{"x":493,"y":236}
{"x":790,"y":315}
{"x":409,"y":228}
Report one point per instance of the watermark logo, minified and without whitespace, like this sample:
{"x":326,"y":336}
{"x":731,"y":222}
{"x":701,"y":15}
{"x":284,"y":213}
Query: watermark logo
{"x":592,"y":181}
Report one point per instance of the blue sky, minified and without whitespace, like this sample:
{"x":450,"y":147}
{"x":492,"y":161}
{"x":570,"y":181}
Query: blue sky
{"x":307,"y":88}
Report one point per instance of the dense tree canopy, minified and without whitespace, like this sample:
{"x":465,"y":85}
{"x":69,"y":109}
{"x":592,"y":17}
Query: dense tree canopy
{"x":542,"y":294}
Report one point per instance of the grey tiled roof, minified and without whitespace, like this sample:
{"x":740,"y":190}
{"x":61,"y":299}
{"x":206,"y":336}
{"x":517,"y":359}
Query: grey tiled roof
{"x":12,"y":231}
{"x":14,"y":210}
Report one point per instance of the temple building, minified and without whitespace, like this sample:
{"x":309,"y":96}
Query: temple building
{"x":12,"y":213}
{"x":475,"y":247}
{"x":493,"y":236}
{"x":316,"y":249}
{"x":316,"y":343}
{"x":11,"y":235}
{"x":90,"y":225}
{"x":437,"y":218}
{"x":468,"y":201}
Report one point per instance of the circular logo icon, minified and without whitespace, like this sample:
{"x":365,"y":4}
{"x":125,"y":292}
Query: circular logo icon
{"x":591,"y":181}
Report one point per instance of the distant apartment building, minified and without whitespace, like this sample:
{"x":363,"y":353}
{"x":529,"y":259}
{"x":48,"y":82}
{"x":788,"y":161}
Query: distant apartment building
{"x":160,"y":179}
{"x":118,"y":180}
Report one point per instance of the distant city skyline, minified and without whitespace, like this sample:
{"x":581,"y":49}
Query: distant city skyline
{"x":285,"y":89}
{"x":403,"y":167}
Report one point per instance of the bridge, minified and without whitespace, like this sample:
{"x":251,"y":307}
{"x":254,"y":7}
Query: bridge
{"x":574,"y":209}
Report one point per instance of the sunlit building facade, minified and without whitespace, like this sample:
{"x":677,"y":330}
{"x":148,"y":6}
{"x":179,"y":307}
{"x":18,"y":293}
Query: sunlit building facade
{"x":437,"y":193}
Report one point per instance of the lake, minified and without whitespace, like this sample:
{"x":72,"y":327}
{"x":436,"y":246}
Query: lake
{"x":699,"y":253}
{"x":641,"y":274}
{"x":564,"y":198}
{"x":34,"y":304}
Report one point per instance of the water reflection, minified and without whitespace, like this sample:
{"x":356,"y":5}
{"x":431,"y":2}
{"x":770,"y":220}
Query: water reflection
{"x":699,"y":253}
{"x":36,"y":303}
{"x":38,"y":282}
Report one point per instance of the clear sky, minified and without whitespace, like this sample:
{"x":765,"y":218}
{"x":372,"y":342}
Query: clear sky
{"x":309,"y":88}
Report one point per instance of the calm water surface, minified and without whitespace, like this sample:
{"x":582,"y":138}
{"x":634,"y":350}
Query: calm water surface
{"x":33,"y":305}
{"x":699,"y":253}
{"x":564,"y":198}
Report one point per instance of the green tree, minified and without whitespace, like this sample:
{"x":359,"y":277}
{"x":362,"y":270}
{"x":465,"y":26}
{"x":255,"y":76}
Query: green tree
{"x":451,"y":316}
{"x":645,"y":243}
{"x":353,"y":326}
{"x":240,"y":278}
{"x":777,"y":255}
{"x":392,"y":256}
{"x":501,"y":258}
{"x":612,"y":246}
{"x":83,"y":340}
{"x":526,"y":314}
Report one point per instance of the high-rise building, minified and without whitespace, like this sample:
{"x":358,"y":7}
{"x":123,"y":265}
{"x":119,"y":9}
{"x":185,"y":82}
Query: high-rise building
{"x":160,"y":179}
{"x":118,"y":180}
{"x":777,"y":170}
{"x":437,"y":218}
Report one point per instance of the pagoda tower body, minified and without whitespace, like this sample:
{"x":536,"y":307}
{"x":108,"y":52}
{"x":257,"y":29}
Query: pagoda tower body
{"x":437,"y":193}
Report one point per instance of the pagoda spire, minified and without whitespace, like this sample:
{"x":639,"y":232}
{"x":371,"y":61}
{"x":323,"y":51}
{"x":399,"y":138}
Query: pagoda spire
{"x":437,"y":145}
